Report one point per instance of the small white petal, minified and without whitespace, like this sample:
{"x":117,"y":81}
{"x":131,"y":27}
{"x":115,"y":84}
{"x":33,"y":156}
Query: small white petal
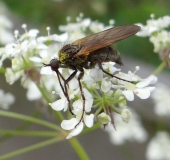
{"x":78,"y":105}
{"x":150,"y":88}
{"x":153,"y":79}
{"x":35,"y":59}
{"x":76,"y":131}
{"x":96,"y":74}
{"x":88,"y":120}
{"x":33,"y":33}
{"x":73,"y":84}
{"x":59,"y":104}
{"x":105,"y":87}
{"x":143,"y":93}
{"x":87,"y":94}
{"x":46,"y":71}
{"x":69,"y":124}
{"x":33,"y":92}
{"x":143,"y":84}
{"x":130,"y":86}
{"x":117,"y":86}
{"x":129,"y":95}
{"x":88,"y":104}
{"x":150,"y":80}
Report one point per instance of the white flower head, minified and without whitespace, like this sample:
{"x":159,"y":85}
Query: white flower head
{"x":158,"y":148}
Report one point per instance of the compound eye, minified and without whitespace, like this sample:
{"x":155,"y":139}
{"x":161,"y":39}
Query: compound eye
{"x":54,"y":63}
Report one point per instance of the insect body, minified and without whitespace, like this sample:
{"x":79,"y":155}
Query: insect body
{"x":88,"y":52}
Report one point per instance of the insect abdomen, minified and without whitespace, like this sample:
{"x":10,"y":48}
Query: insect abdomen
{"x":106,"y":54}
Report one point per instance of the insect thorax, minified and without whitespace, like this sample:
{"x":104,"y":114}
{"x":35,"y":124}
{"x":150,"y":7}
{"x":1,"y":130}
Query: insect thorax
{"x":67,"y":53}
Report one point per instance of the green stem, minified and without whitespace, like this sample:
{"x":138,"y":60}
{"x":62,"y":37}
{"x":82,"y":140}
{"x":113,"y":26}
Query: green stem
{"x":95,"y":126}
{"x":160,"y":67}
{"x":29,"y":133}
{"x":114,"y":102}
{"x":115,"y":110}
{"x":27,"y":118}
{"x":2,"y":70}
{"x":23,"y":126}
{"x":79,"y":149}
{"x":49,"y":100}
{"x":45,"y":96}
{"x":30,"y":148}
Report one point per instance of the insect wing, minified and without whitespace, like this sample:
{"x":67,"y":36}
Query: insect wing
{"x":105,"y":38}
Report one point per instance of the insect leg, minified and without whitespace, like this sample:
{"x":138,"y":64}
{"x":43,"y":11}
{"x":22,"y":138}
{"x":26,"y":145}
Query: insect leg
{"x":59,"y":75}
{"x":55,"y":64}
{"x":65,"y":92}
{"x":65,"y":87}
{"x":82,"y":94}
{"x":111,"y":115}
{"x":100,"y":66}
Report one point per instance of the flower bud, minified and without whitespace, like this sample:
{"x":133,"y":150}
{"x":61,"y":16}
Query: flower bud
{"x":125,"y":115}
{"x":104,"y":118}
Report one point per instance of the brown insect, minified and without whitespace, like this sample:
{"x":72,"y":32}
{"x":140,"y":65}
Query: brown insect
{"x":88,"y":52}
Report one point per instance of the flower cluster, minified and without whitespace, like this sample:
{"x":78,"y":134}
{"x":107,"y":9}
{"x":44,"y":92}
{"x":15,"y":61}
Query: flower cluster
{"x":158,"y":31}
{"x":159,"y":147}
{"x":103,"y":94}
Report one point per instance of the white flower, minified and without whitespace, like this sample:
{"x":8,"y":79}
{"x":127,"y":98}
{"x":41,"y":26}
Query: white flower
{"x":14,"y":49}
{"x":78,"y":105}
{"x":75,"y":29}
{"x":159,"y":147}
{"x":139,"y":89}
{"x":161,"y":99}
{"x":30,"y":34}
{"x":33,"y":93}
{"x":96,"y":27}
{"x":155,"y":28}
{"x":11,"y":76}
{"x":71,"y":124}
{"x":6,"y":99}
{"x":110,"y":67}
{"x":153,"y":25}
{"x":61,"y":104}
{"x":145,"y":31}
{"x":76,"y":124}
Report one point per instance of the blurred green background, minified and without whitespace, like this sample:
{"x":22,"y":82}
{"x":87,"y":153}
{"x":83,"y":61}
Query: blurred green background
{"x":43,"y":13}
